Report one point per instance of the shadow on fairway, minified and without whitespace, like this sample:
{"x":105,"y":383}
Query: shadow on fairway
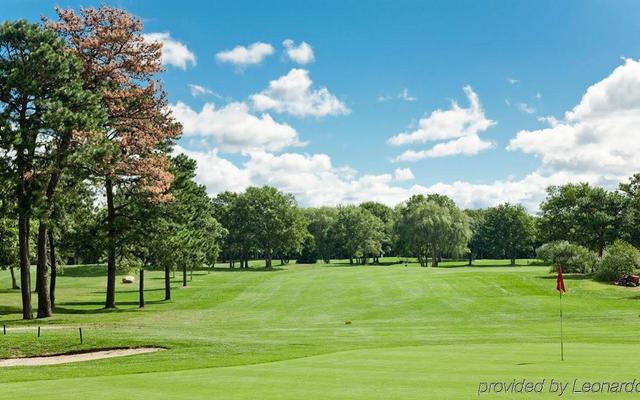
{"x":101,"y":310}
{"x":380,"y":264}
{"x":273,"y":269}
{"x":6,"y":310}
{"x":571,"y":277}
{"x":9,"y":291}
{"x":482,"y":266}
{"x":84,"y":271}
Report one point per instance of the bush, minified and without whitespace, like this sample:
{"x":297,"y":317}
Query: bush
{"x":571,"y":257}
{"x":618,"y":260}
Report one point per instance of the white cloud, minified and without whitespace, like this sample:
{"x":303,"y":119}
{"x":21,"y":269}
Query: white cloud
{"x":403,"y":95}
{"x":312,"y":178}
{"x":216,"y":173}
{"x":315,"y":181}
{"x":242,"y":56}
{"x":403,"y":174}
{"x":595,"y":142}
{"x":513,"y":81}
{"x":173,"y":52}
{"x":526,"y":108}
{"x":292,"y":94}
{"x":466,"y":145}
{"x":198,"y":90}
{"x":599,"y":136}
{"x":302,"y":53}
{"x":235,"y":128}
{"x":460,"y":126}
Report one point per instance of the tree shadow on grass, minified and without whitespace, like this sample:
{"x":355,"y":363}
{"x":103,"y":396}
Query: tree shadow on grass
{"x":262,"y":269}
{"x":66,"y":310}
{"x":482,"y":266}
{"x":6,"y":310}
{"x":570,"y":277}
{"x":9,"y":291}
{"x":341,"y":265}
{"x":84,"y":271}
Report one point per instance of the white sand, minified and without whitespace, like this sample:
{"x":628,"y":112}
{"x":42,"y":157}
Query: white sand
{"x":69,"y":358}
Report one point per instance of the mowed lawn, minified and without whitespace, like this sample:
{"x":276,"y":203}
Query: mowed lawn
{"x":415,"y":333}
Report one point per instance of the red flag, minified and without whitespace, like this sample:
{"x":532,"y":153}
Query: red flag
{"x":560,"y":281}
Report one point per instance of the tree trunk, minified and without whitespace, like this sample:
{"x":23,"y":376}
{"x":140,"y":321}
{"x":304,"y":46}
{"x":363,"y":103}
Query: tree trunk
{"x":54,"y":269}
{"x":141,"y":289}
{"x":267,"y":259}
{"x":601,"y":246}
{"x":14,"y":284}
{"x":25,"y":274}
{"x":44,"y":301}
{"x":513,"y":258}
{"x":470,"y":259}
{"x":45,"y":298}
{"x":111,"y":247}
{"x":167,"y":284}
{"x":350,"y":260}
{"x":184,"y":275}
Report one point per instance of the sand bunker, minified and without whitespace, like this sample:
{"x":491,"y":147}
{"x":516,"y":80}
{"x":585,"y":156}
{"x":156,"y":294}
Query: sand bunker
{"x":77,"y":357}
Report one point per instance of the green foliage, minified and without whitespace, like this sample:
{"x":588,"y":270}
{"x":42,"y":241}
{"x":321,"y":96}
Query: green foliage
{"x":264,"y":220}
{"x":507,"y":231}
{"x":619,"y":259}
{"x":182,"y":233}
{"x":432,"y":227}
{"x":322,"y":244}
{"x":631,"y":215}
{"x":479,"y":246}
{"x":568,"y":256}
{"x":358,"y":233}
{"x":583,"y":214}
{"x":8,"y":243}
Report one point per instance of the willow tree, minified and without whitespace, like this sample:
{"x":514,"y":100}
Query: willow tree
{"x":41,"y":99}
{"x":131,"y":152}
{"x":433,"y":227}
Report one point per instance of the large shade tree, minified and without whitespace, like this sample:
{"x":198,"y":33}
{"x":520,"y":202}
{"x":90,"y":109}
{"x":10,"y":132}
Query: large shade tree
{"x":275,"y":224}
{"x":131,"y":151}
{"x":583,"y":214}
{"x":358,"y":233}
{"x":507,"y":231}
{"x":432,"y":227}
{"x":42,"y":104}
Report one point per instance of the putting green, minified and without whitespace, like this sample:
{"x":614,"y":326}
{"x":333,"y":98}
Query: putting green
{"x":416,"y":333}
{"x":421,"y":372}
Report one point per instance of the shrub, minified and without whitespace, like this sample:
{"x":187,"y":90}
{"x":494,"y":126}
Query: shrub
{"x":571,"y":257}
{"x":618,"y":260}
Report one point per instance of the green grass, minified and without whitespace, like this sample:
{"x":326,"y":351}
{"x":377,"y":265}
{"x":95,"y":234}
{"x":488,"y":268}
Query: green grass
{"x":416,"y":333}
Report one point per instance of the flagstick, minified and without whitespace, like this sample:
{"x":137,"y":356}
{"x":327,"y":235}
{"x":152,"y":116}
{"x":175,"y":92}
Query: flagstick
{"x":561,"y":333}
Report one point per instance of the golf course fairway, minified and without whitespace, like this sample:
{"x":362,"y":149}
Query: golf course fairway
{"x":330,"y":332}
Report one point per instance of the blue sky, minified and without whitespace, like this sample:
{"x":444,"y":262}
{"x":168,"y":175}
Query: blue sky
{"x":382,"y":68}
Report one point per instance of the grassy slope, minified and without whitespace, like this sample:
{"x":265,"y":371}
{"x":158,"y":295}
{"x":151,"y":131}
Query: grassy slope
{"x":415,"y":333}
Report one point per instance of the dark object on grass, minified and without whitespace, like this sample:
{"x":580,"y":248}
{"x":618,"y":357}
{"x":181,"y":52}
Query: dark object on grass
{"x":347,"y":322}
{"x":629,"y":280}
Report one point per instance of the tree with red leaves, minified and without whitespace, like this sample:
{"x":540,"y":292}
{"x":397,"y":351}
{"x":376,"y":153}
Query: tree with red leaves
{"x":128,"y":157}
